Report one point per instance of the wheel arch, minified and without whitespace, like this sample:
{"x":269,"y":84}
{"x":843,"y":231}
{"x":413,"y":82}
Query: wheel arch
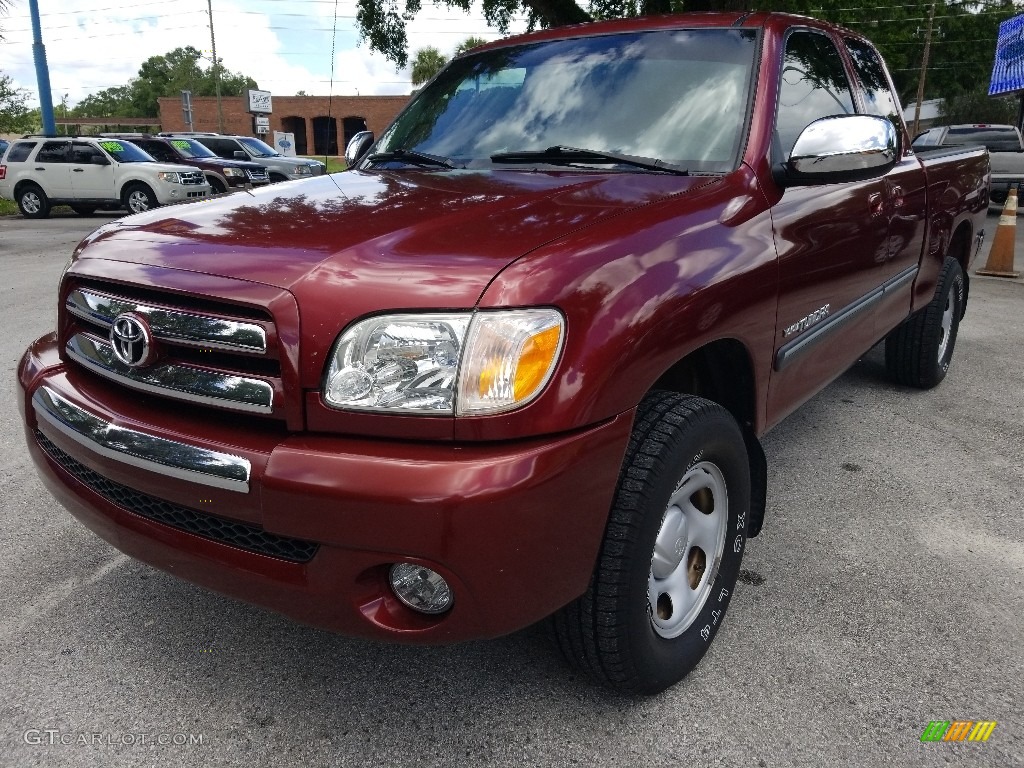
{"x":960,"y":249}
{"x":723,"y":371}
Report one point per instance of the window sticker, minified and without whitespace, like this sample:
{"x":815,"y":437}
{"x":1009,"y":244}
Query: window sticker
{"x":180,"y":144}
{"x":112,"y":146}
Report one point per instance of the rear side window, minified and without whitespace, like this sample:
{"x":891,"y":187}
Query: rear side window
{"x":53,"y":152}
{"x":20,"y":151}
{"x":813,"y":85}
{"x":878,"y":97}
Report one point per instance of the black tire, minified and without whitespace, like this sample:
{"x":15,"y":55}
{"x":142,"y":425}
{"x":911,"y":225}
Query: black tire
{"x":138,"y":198}
{"x":624,"y":631}
{"x":217,"y":185}
{"x":918,"y":352}
{"x":84,"y":210}
{"x":33,"y":202}
{"x":277,"y":177}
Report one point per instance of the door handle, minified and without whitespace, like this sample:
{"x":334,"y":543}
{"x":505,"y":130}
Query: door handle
{"x":40,"y":169}
{"x":78,"y":170}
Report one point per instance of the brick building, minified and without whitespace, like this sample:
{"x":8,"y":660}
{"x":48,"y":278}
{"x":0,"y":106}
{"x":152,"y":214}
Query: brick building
{"x":316,"y":133}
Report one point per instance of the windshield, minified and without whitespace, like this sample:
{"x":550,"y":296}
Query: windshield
{"x":126,"y":152}
{"x":191,"y":148}
{"x":257,"y":148}
{"x":675,"y":96}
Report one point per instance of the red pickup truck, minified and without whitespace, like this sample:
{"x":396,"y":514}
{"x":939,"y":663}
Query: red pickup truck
{"x":516,"y":362}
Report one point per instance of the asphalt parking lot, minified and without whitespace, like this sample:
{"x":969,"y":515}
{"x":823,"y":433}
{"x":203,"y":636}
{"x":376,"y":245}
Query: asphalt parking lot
{"x":886,"y":591}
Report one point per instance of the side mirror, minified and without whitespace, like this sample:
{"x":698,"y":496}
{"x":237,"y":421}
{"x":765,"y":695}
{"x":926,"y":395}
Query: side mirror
{"x":98,"y":160}
{"x":240,"y":155}
{"x":841,"y":148}
{"x":358,"y":147}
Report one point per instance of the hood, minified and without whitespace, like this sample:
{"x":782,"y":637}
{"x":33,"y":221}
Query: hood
{"x":397,"y":239}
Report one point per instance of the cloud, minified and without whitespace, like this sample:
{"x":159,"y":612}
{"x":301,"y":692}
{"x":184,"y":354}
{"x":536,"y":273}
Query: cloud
{"x":285,"y":47}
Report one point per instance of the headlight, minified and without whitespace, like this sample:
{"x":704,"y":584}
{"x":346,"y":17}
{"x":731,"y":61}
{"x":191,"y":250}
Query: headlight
{"x":445,"y":364}
{"x":235,"y":172}
{"x":170,"y":176}
{"x":303,"y":170}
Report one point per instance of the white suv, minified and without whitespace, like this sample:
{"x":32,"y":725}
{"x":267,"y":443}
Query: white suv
{"x":89,"y":173}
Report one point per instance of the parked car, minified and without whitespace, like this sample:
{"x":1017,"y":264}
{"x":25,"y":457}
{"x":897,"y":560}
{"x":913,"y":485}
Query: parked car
{"x":279,"y":167}
{"x":517,"y":362}
{"x":220,"y":173}
{"x":3,"y":147}
{"x":87,"y":173}
{"x":1003,"y":142}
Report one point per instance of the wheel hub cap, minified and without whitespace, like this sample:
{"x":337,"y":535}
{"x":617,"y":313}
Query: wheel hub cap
{"x":688,"y":549}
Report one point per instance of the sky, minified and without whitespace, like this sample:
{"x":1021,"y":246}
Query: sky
{"x":285,"y":45}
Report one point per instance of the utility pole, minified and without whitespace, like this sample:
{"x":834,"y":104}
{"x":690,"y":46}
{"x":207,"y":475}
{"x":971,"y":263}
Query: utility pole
{"x":42,"y":71}
{"x":216,"y":68}
{"x":924,"y":69}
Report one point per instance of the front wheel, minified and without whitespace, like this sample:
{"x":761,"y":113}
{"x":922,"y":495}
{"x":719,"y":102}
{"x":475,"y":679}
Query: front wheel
{"x":919,"y":351}
{"x":139,"y":198}
{"x":672,"y":549}
{"x":33,"y":202}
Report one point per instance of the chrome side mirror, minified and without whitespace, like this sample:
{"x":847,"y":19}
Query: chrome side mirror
{"x":841,"y":148}
{"x":357,"y":147}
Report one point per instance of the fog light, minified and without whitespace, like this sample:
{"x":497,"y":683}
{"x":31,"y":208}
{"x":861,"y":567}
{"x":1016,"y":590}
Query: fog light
{"x":420,"y":588}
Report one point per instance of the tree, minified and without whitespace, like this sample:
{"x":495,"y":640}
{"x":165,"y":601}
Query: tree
{"x":468,"y":44}
{"x":166,"y":75}
{"x":15,"y":117}
{"x":962,"y":48}
{"x":978,"y":107}
{"x":427,"y":63}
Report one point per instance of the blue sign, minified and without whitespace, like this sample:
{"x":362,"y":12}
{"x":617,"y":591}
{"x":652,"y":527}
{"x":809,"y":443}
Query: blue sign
{"x":1008,"y":72}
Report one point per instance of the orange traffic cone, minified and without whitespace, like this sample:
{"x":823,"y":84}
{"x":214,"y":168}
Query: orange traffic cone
{"x":1000,"y":256}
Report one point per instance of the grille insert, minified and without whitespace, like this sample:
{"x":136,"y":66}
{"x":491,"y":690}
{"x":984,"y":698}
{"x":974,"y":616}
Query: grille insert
{"x":241,"y":535}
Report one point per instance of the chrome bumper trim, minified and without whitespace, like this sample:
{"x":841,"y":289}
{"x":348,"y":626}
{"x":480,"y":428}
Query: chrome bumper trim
{"x":138,"y":449}
{"x":171,"y":325}
{"x":183,"y":382}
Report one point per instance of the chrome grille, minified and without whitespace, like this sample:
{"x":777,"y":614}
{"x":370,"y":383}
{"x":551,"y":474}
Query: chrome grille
{"x":257,"y":175}
{"x":192,"y":177}
{"x":200,"y":357}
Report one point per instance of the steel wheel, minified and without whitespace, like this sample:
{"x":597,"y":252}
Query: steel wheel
{"x":688,"y":550}
{"x":139,"y":199}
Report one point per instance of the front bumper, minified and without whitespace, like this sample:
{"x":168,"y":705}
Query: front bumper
{"x":309,"y":525}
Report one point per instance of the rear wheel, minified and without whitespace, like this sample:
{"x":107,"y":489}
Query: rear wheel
{"x":671,"y":552}
{"x":139,"y":198}
{"x":919,"y":351}
{"x":33,"y":202}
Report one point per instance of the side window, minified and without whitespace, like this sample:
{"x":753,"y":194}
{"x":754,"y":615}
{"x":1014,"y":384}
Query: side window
{"x":53,"y":152}
{"x":19,"y":152}
{"x":158,"y":150}
{"x":878,"y":97}
{"x":221,"y":147}
{"x":82,"y":153}
{"x":813,"y":85}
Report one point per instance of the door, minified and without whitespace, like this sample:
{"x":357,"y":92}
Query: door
{"x":90,"y":180}
{"x":906,"y":194}
{"x":52,"y":169}
{"x":830,"y":239}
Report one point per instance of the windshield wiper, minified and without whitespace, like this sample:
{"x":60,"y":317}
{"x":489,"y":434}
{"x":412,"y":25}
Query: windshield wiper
{"x":559,"y":155}
{"x":411,"y":157}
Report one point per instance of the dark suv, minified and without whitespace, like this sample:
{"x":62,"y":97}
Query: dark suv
{"x":220,"y":173}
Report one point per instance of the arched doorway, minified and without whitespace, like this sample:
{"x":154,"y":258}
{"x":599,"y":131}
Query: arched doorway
{"x":351,"y":126}
{"x":297,"y":126}
{"x":325,"y":135}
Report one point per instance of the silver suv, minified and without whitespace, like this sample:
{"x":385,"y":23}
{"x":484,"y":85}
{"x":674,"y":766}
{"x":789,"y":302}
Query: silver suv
{"x":88,"y":172}
{"x":279,"y":167}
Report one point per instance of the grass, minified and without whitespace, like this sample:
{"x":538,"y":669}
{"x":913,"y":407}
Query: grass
{"x":334,"y":164}
{"x":8,"y":207}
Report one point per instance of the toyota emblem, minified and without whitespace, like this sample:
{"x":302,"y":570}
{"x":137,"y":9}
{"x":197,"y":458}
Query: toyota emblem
{"x":132,"y":340}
